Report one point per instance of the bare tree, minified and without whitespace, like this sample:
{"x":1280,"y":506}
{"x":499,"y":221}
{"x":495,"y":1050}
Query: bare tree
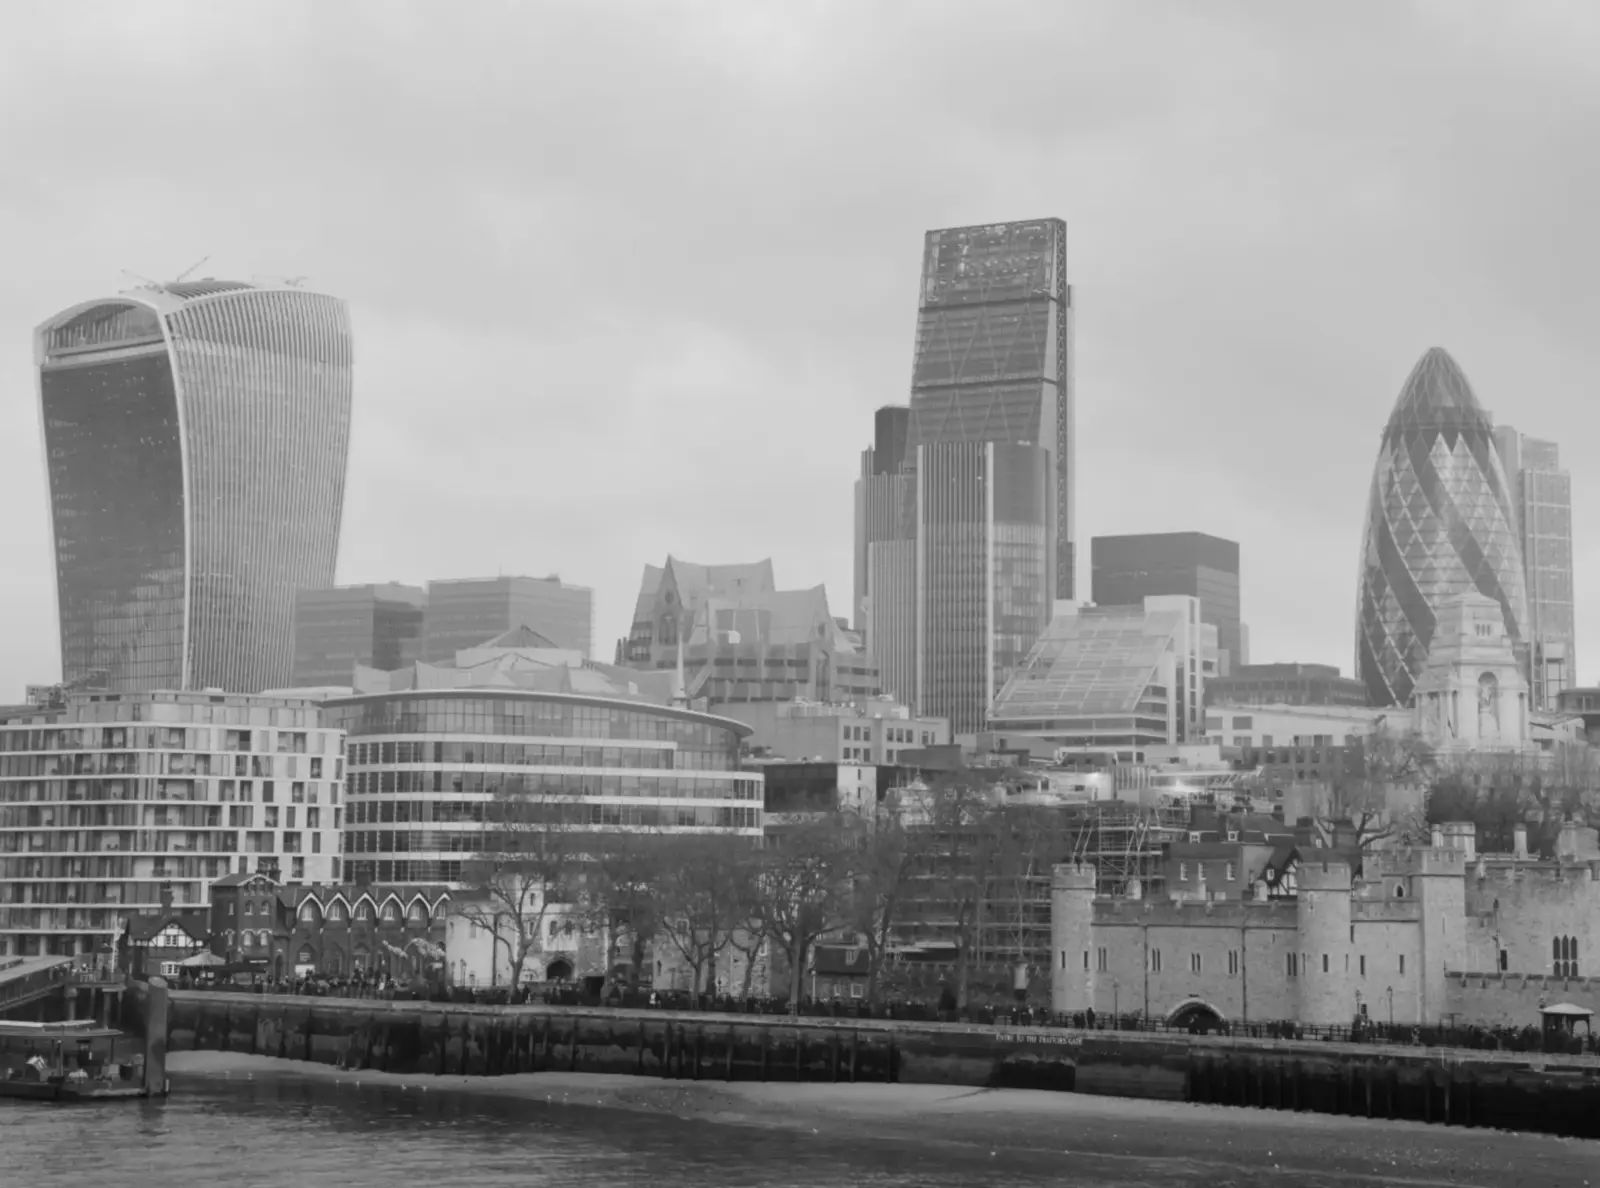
{"x":701,"y":902}
{"x":806,"y":889}
{"x":883,"y":865}
{"x":525,"y":864}
{"x":1369,"y":794}
{"x":627,"y":875}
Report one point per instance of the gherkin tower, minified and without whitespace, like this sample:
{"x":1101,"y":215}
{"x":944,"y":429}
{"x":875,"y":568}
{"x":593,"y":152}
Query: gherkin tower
{"x":1439,"y":523}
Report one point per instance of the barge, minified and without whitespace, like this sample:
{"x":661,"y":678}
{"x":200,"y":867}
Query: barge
{"x":68,"y":1062}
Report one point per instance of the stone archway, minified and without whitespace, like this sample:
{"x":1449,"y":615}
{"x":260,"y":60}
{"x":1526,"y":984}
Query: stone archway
{"x":1195,"y":1014}
{"x":559,"y":970}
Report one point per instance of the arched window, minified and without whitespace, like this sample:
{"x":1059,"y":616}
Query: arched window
{"x":336,"y":913}
{"x":391,"y":911}
{"x":264,"y":939}
{"x":418,"y":913}
{"x":1564,"y":956}
{"x":364,"y":912}
{"x":308,"y":911}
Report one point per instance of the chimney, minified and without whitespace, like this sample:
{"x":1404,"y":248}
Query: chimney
{"x":166,"y":897}
{"x":1519,"y":842}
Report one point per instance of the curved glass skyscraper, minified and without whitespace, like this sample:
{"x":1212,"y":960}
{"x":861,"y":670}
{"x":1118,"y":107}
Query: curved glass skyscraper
{"x":1439,"y":522}
{"x":196,"y":437}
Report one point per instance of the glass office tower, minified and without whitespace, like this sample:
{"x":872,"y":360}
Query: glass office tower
{"x":989,"y":446}
{"x":196,"y":436}
{"x":1125,"y":570}
{"x":1541,"y":496}
{"x":1440,"y":522}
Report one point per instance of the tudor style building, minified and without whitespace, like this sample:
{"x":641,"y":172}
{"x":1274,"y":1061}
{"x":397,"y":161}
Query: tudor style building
{"x":335,"y":931}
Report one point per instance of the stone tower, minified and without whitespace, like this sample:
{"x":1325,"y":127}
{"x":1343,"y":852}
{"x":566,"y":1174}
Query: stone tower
{"x":1072,"y":982}
{"x":1471,"y":694}
{"x":1326,"y":997}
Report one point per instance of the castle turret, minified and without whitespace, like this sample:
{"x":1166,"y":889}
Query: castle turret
{"x":1072,"y":985}
{"x":1323,"y":893}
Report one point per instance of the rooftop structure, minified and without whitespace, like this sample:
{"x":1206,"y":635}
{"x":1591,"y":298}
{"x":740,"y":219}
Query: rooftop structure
{"x":196,"y":436}
{"x":1128,"y":569}
{"x":1285,"y":684}
{"x":378,"y":626}
{"x":463,"y":612}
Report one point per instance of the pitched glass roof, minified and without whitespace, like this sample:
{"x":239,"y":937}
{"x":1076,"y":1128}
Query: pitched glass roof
{"x":1098,"y":661}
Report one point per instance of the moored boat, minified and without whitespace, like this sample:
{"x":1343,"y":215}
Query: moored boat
{"x":70,"y":1062}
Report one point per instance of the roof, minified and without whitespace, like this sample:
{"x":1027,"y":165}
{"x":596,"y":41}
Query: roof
{"x":520,"y":637}
{"x":147,"y":927}
{"x":1099,"y":660}
{"x":1437,"y":393}
{"x":839,"y":959}
{"x":694,"y":582}
{"x":242,"y":877}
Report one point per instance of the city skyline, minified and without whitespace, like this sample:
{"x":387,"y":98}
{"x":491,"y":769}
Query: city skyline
{"x":1232,"y":323}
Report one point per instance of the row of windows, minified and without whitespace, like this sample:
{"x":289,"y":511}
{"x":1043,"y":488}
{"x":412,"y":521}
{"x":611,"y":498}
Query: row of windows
{"x":168,"y":738}
{"x":1292,"y":965}
{"x":1230,"y":871}
{"x":503,"y":754}
{"x":535,"y":784}
{"x":91,"y":763}
{"x":644,"y":816}
{"x":521,"y":716}
{"x":53,"y":791}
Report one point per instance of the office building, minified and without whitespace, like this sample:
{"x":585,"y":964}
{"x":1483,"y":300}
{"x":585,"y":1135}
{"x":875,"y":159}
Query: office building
{"x":1285,"y":684}
{"x":196,"y":437}
{"x":1541,"y":500}
{"x":1440,"y":522}
{"x":1121,"y":679}
{"x":377,"y":626}
{"x":465,"y":612}
{"x":1128,"y":569}
{"x":874,"y":731}
{"x":744,"y":640}
{"x":885,"y":553}
{"x":433,"y":748}
{"x":116,"y":799}
{"x":989,"y":451}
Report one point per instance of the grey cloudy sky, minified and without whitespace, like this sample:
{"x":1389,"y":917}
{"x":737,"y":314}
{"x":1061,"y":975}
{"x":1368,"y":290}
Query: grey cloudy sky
{"x":630,"y":279}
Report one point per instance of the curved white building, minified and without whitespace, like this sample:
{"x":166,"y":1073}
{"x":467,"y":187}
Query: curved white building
{"x":196,"y":436}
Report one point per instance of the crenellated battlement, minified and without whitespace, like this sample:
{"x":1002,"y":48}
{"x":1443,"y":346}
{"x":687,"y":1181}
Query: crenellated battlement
{"x":1409,"y":862}
{"x":1148,"y":913}
{"x":1509,"y":870}
{"x":1331,"y":875}
{"x":1074,"y":876}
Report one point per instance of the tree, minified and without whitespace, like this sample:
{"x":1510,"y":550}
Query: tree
{"x":1370,"y":793}
{"x":805,"y":885}
{"x":701,"y":902}
{"x":626,"y":892}
{"x":526,"y":862}
{"x":883,"y":864}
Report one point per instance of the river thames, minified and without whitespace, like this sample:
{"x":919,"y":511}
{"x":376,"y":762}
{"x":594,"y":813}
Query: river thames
{"x":249,"y":1122}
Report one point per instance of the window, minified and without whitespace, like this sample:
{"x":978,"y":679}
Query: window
{"x":1324,"y":963}
{"x":1155,"y":960}
{"x":1363,"y":965}
{"x":308,"y":912}
{"x":297,"y":868}
{"x":1194,"y":963}
{"x":1402,"y":965}
{"x":1233,"y":963}
{"x":1183,"y":872}
{"x":1100,"y":960}
{"x":1564,"y":954}
{"x":1505,"y":960}
{"x":855,"y":989}
{"x":1291,"y":964}
{"x":1233,"y":872}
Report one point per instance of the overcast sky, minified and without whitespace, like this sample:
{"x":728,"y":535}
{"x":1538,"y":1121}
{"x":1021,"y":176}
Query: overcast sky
{"x":629,"y":280}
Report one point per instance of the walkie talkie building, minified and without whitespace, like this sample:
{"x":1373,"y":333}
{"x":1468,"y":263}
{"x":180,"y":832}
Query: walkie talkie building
{"x":196,"y":437}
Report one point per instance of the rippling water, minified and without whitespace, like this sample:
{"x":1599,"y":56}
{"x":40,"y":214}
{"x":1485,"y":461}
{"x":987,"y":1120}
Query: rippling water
{"x":288,"y":1128}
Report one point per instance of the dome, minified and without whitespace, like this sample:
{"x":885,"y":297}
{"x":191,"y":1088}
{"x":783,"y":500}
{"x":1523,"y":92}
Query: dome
{"x":1439,"y":523}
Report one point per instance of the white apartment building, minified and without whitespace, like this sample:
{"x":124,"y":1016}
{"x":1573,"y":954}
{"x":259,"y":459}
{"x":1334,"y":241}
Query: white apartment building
{"x":113,"y":798}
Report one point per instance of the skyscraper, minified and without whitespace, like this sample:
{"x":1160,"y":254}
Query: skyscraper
{"x":989,"y":450}
{"x":885,"y":553}
{"x":1125,"y":570}
{"x":1440,"y":522}
{"x":196,"y":436}
{"x":1541,"y":497}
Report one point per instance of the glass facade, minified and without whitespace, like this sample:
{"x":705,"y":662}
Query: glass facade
{"x":335,"y":630}
{"x":427,"y":769}
{"x":197,"y":436}
{"x":468,"y":613}
{"x":107,"y":804}
{"x":993,"y":359}
{"x":1100,"y":677}
{"x":1440,"y":522}
{"x":1127,"y":569}
{"x":1541,"y":494}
